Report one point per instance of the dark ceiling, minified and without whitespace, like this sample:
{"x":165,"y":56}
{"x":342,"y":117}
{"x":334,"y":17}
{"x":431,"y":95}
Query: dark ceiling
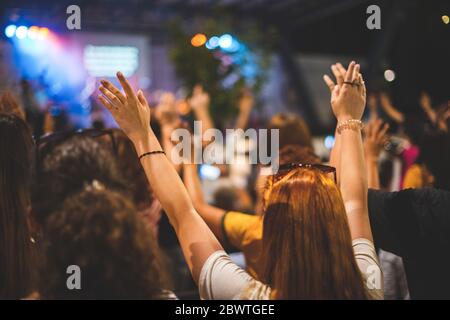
{"x":412,"y":39}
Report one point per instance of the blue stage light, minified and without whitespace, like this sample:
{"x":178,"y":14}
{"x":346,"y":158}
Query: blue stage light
{"x":225,"y":41}
{"x":329,"y":142}
{"x":10,"y":30}
{"x":212,"y":43}
{"x":21,"y":32}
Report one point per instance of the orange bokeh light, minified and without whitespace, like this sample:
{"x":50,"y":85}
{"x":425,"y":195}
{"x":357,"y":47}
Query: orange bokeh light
{"x":43,"y":32}
{"x":198,"y":40}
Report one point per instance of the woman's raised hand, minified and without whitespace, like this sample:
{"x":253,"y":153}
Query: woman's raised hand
{"x":131,"y":111}
{"x":348,"y":96}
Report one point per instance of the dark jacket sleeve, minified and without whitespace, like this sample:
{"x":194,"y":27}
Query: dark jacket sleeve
{"x":415,"y":225}
{"x":410,"y":221}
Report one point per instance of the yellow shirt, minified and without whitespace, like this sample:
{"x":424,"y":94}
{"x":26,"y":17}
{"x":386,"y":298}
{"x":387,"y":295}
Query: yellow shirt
{"x":417,"y":176}
{"x":244,"y":232}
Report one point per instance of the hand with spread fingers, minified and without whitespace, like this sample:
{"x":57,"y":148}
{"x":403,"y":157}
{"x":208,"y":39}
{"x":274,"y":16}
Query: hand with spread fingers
{"x":348,"y":95}
{"x":131,"y":111}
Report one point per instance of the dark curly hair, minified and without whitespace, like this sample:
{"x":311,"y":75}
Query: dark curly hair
{"x":100,"y":231}
{"x":65,"y":169}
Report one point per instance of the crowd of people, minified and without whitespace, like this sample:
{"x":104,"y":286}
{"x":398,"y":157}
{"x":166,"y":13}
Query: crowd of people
{"x":370,"y":222}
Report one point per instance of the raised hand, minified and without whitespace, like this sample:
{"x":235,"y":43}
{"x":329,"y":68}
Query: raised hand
{"x":425,"y":100}
{"x":200,"y":98}
{"x":166,"y":111}
{"x":375,"y":138}
{"x":130,"y":111}
{"x":348,"y":96}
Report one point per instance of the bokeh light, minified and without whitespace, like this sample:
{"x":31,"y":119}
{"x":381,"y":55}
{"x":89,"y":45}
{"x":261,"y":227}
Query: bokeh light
{"x":225,"y":41}
{"x":212,"y":43}
{"x":33,"y":32}
{"x":198,"y":40}
{"x":10,"y":31}
{"x":329,"y":142}
{"x":21,"y":32}
{"x":389,"y":75}
{"x":43,"y":33}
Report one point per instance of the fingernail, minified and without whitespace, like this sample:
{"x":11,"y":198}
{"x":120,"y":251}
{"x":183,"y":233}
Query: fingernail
{"x":119,"y":74}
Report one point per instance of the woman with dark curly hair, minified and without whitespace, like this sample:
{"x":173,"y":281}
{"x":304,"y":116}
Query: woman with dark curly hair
{"x":65,"y":166}
{"x":100,"y":231}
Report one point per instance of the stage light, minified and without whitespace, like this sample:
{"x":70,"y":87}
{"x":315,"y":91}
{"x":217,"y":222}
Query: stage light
{"x":10,"y":30}
{"x":198,"y":40}
{"x":212,"y":43}
{"x":33,"y":32}
{"x":329,"y":142}
{"x":21,"y":32}
{"x":389,"y":75}
{"x":43,"y":33}
{"x":209,"y":172}
{"x":235,"y":46}
{"x":225,"y":41}
{"x":445,"y":19}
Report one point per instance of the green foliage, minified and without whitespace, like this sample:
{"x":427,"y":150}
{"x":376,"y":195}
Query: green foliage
{"x":198,"y":65}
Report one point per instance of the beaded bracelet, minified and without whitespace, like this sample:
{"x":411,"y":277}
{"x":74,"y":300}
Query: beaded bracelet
{"x":351,"y":124}
{"x":150,"y":153}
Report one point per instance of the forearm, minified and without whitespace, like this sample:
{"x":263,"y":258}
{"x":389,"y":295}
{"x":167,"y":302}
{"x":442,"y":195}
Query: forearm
{"x":202,"y":114}
{"x":163,"y":179}
{"x":167,"y":146}
{"x":393,"y":113}
{"x":196,"y":239}
{"x":210,"y":214}
{"x":354,"y":184}
{"x":373,"y":178}
{"x":431,"y":114}
{"x":335,"y":155}
{"x":242,"y":120}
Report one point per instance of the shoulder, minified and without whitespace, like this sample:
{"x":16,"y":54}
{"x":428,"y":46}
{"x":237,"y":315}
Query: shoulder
{"x":369,"y":266}
{"x":220,"y":278}
{"x":238,"y":227}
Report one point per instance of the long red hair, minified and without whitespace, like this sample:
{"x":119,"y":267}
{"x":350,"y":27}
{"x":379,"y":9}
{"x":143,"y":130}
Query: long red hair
{"x":307,"y":247}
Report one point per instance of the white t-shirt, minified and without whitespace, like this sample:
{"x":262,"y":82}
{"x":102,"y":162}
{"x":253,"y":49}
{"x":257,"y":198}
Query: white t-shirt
{"x":222,"y":279}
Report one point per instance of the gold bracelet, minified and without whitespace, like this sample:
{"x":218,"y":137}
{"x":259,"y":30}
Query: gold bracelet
{"x":351,"y":124}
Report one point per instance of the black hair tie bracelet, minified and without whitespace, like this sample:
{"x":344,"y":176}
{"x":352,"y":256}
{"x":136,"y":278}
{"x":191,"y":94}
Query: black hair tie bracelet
{"x":150,"y":153}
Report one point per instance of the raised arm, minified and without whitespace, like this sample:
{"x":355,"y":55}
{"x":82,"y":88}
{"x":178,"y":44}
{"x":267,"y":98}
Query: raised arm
{"x":425,"y":103}
{"x":335,"y":155}
{"x":199,"y":102}
{"x":212,"y":215}
{"x":374,"y":139}
{"x":169,"y":120}
{"x":348,"y":102}
{"x":391,"y":111}
{"x":132,"y":114}
{"x":245,"y":105}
